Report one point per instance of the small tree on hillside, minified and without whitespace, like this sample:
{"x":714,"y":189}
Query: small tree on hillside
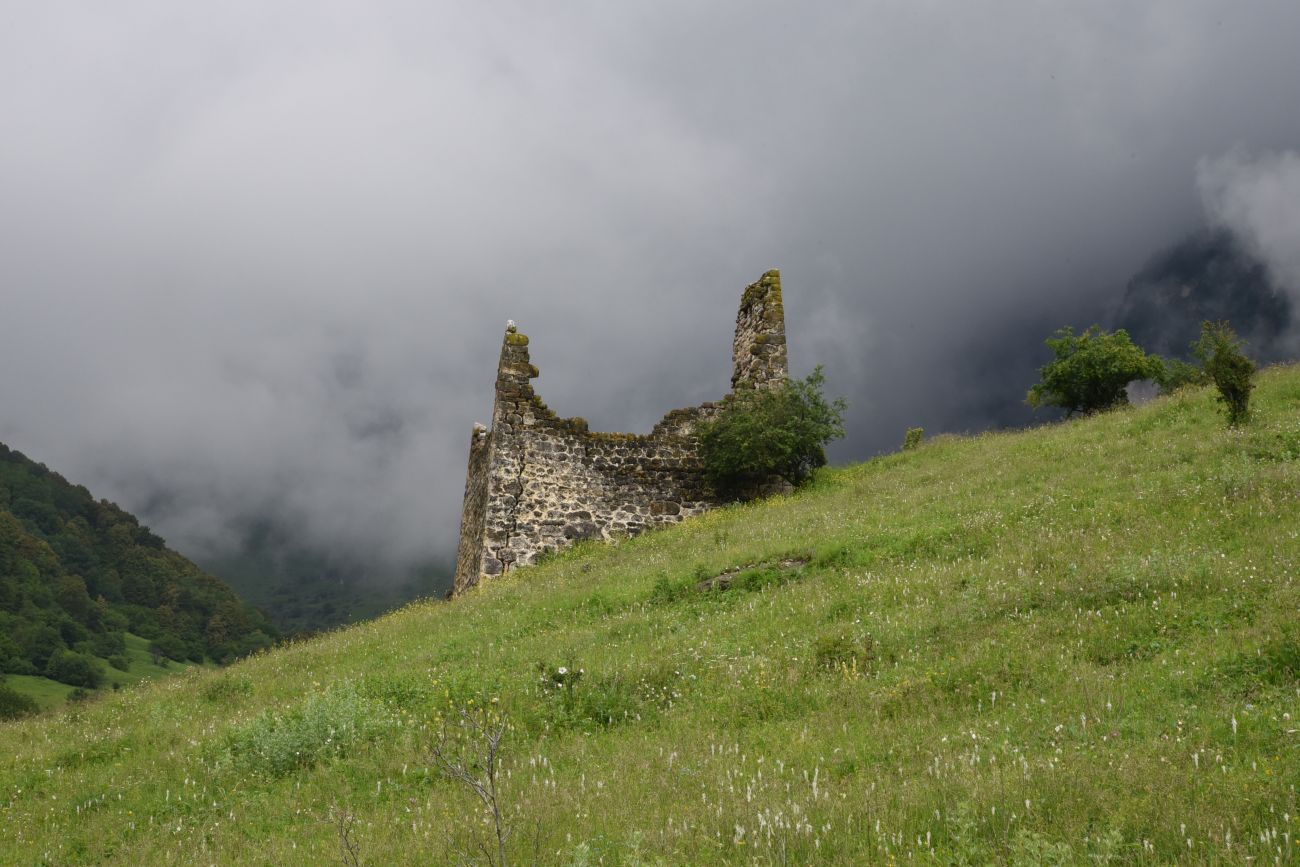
{"x":75,"y":669}
{"x":761,"y":433}
{"x":14,"y":704}
{"x":1219,"y":351}
{"x":1090,"y":370}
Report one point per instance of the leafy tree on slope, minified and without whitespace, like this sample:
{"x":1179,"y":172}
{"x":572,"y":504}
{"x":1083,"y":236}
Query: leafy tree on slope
{"x":1090,"y":370}
{"x":1219,"y":351}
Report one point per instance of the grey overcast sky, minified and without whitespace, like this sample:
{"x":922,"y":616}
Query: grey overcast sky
{"x":256,"y":257}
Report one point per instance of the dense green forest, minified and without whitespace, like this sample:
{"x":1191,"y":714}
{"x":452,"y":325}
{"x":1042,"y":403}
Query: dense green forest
{"x":81,"y":581}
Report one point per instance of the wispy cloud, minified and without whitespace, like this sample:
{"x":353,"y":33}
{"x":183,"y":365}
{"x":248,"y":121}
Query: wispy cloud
{"x":1257,"y":198}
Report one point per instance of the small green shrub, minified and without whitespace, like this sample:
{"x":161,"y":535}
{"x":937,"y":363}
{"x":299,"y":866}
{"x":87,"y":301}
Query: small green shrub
{"x":965,"y":844}
{"x":15,"y":705}
{"x":837,"y":556}
{"x":837,"y":651}
{"x":227,"y":689}
{"x":762,"y":577}
{"x":1031,"y":849}
{"x":913,"y":438}
{"x":1091,"y":370}
{"x":670,"y":589}
{"x":1132,"y":635}
{"x":409,"y":692}
{"x":74,"y":669}
{"x":667,"y":590}
{"x":574,"y":701}
{"x":598,"y":604}
{"x":1274,"y":664}
{"x":324,"y":726}
{"x":1276,"y":446}
{"x":1219,"y":350}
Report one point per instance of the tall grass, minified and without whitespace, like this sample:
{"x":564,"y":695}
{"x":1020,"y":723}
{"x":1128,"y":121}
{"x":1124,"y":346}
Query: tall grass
{"x":1076,"y":644}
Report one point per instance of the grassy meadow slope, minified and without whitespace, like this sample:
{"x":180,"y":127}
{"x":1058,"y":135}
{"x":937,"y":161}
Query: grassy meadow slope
{"x":1077,"y":644}
{"x":141,"y":665}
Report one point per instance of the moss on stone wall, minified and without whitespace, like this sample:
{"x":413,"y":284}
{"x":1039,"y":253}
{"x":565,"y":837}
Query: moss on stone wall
{"x":577,"y":424}
{"x":767,"y":287}
{"x":611,"y":437}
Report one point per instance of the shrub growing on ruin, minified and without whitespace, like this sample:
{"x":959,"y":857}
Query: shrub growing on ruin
{"x":1090,"y":370}
{"x":762,"y":434}
{"x":1219,"y":351}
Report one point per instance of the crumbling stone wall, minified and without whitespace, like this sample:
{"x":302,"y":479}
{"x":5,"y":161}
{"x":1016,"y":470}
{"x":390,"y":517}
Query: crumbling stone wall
{"x":758,"y":353}
{"x":537,"y":482}
{"x":474,"y":510}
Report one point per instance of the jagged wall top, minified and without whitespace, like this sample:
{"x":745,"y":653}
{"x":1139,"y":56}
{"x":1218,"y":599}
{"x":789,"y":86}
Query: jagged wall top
{"x":758,"y":352}
{"x":537,"y":482}
{"x":517,"y":405}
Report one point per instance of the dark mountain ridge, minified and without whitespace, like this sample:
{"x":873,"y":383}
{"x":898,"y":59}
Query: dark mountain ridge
{"x":305,"y":589}
{"x":1207,"y":275}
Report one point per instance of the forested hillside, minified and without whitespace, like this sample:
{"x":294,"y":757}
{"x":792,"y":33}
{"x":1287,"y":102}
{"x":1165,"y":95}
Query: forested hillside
{"x":82,"y":583}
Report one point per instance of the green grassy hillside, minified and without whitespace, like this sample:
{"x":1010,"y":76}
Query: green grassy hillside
{"x":140,"y":664}
{"x":1077,"y":644}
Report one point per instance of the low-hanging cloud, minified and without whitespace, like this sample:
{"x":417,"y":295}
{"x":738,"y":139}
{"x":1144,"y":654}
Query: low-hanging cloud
{"x":1257,"y":198}
{"x":256,"y":263}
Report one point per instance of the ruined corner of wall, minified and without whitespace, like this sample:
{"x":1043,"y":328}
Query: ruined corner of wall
{"x":538,"y":483}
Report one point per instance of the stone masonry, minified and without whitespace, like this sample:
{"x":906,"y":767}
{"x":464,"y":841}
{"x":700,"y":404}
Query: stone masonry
{"x":537,"y":482}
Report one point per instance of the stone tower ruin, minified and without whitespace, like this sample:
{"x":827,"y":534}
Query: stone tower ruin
{"x":538,"y":482}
